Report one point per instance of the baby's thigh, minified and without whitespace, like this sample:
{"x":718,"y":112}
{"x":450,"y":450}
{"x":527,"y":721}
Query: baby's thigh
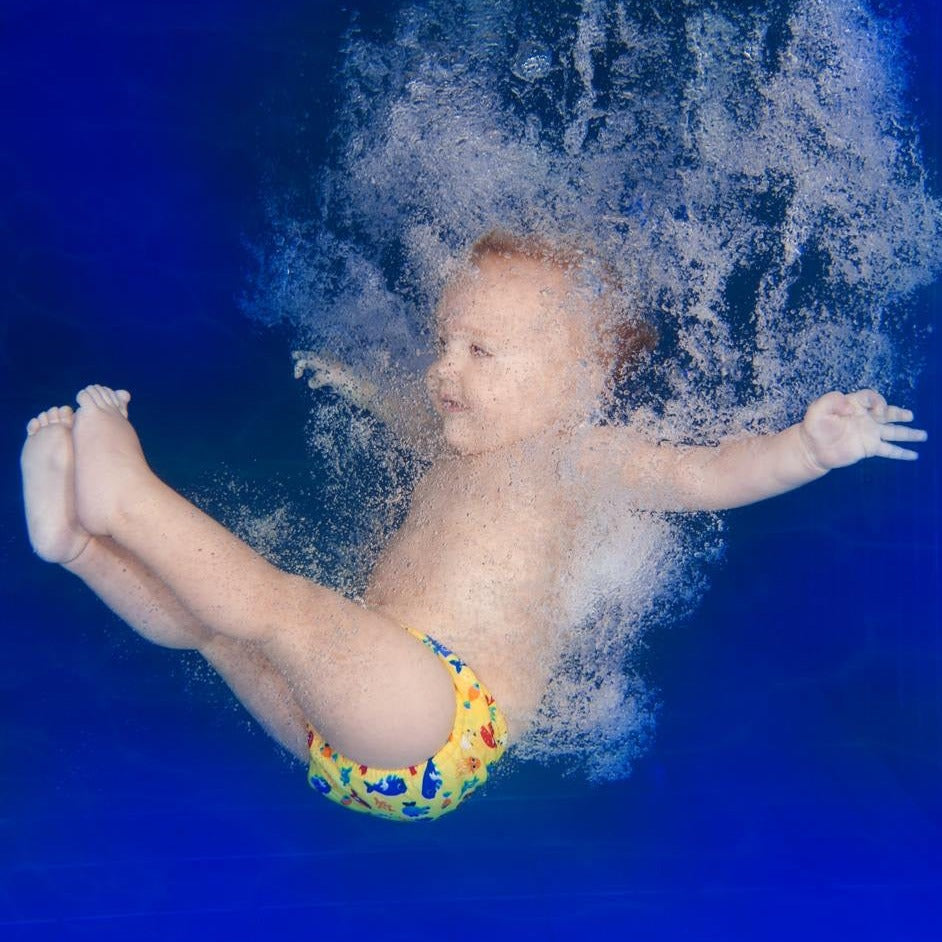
{"x":369,"y":687}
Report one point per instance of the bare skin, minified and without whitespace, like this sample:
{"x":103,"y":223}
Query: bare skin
{"x":48,"y":466}
{"x":133,"y":592}
{"x":479,"y":560}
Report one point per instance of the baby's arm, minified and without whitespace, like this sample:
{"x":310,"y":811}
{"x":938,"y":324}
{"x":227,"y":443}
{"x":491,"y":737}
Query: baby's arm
{"x":837,"y":430}
{"x":403,"y":407}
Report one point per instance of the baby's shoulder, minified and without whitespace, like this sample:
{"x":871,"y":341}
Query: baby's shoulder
{"x":593,"y":453}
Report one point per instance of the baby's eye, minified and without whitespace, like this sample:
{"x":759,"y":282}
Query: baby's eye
{"x":478,"y":351}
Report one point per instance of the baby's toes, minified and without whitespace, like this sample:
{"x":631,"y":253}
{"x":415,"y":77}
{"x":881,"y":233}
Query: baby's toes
{"x":99,"y":396}
{"x":108,"y":398}
{"x":117,"y":400}
{"x":46,"y":417}
{"x":90,"y":397}
{"x":60,"y":415}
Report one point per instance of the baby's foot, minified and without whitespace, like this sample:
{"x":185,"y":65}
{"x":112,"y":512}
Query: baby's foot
{"x":48,"y":465}
{"x":109,"y":464}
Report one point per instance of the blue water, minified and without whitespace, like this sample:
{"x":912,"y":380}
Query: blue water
{"x":793,"y":789}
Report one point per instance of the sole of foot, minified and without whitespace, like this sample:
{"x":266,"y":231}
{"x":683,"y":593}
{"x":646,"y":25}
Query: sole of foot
{"x":48,"y":466}
{"x":109,"y":462}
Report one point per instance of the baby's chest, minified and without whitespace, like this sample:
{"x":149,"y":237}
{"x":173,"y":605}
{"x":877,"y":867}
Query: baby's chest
{"x":479,"y":550}
{"x":469,"y":542}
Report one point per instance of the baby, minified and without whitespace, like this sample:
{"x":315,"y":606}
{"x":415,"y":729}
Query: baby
{"x":356,"y":689}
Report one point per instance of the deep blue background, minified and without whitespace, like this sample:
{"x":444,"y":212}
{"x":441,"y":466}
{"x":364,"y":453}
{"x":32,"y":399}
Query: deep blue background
{"x":794,"y":785}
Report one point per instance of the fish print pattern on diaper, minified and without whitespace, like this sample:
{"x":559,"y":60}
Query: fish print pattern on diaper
{"x":434,"y":787}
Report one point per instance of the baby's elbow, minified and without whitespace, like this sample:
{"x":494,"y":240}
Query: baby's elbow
{"x":677,"y":494}
{"x":707,"y":491}
{"x":693,"y":484}
{"x":695,"y":501}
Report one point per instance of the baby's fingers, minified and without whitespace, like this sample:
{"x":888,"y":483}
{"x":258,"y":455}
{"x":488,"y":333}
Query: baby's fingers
{"x":896,"y":414}
{"x":308,"y":361}
{"x":885,"y":450}
{"x":902,"y":433}
{"x":899,"y":433}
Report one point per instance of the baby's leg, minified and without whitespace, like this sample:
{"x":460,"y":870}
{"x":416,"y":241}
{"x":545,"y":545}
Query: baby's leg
{"x":134,"y":593}
{"x":366,"y":684}
{"x":57,"y":536}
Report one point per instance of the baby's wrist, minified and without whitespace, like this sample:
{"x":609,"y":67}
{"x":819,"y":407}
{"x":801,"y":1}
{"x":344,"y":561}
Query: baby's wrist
{"x":808,"y":452}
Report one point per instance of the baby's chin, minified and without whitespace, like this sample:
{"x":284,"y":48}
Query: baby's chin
{"x":471,"y":442}
{"x":463,"y":446}
{"x":474,"y":443}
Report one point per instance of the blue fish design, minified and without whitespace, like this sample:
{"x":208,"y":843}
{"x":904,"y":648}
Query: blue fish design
{"x":431,"y":780}
{"x":319,"y":784}
{"x":411,"y":810}
{"x":438,"y":647}
{"x":388,"y":785}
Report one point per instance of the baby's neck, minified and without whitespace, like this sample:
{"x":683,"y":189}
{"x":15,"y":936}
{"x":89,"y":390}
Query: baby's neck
{"x":521,"y":453}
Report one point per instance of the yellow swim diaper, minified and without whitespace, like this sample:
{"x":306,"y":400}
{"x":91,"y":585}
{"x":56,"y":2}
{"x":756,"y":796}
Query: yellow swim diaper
{"x":437,"y":785}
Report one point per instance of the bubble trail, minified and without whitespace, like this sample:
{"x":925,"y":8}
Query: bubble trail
{"x":751,"y":175}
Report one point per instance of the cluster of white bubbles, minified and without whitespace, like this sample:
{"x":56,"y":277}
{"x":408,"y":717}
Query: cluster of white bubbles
{"x":747,"y":170}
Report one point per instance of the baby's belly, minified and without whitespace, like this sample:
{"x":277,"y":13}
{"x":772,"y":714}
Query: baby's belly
{"x":506,"y":648}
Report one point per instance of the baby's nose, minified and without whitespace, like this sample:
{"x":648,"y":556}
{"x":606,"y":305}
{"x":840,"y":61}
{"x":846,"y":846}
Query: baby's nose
{"x":436,"y":374}
{"x":444,"y":365}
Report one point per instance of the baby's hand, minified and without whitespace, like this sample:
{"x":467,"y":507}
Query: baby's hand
{"x":839,"y":429}
{"x":327,"y":372}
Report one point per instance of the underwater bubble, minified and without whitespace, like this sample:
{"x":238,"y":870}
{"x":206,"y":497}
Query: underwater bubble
{"x":748,"y":177}
{"x":532,"y":62}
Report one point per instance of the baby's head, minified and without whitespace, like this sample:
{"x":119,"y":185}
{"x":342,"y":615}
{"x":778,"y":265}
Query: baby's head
{"x":529,"y":340}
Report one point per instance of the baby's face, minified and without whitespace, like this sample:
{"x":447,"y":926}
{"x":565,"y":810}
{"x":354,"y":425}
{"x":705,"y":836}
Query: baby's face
{"x":514,"y":356}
